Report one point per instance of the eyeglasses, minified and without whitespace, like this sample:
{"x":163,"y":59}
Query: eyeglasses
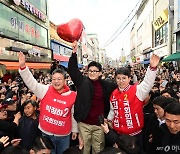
{"x":93,"y":71}
{"x":123,"y":79}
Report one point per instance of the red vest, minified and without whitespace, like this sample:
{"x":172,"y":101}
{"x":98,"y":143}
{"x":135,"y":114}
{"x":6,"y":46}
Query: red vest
{"x":128,"y":111}
{"x":55,"y":112}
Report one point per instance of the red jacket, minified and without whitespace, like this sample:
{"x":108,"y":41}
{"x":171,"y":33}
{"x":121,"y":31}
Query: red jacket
{"x":128,"y":111}
{"x":55,"y":112}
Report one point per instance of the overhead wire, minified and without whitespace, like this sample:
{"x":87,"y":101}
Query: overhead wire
{"x":120,"y":30}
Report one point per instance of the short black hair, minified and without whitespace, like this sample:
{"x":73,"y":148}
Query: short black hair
{"x":169,"y":91}
{"x":163,"y":101}
{"x":34,"y":104}
{"x":73,"y":150}
{"x":111,"y":150}
{"x":173,"y":108}
{"x":128,"y":144}
{"x":124,"y":71}
{"x":59,"y":70}
{"x":96,"y":64}
{"x":156,"y":85}
{"x":42,"y":142}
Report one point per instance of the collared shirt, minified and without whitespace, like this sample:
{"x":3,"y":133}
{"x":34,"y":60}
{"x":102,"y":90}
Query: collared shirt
{"x":161,"y":121}
{"x":125,"y":89}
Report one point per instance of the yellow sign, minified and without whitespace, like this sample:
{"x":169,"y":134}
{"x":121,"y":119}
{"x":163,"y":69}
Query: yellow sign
{"x":161,"y":20}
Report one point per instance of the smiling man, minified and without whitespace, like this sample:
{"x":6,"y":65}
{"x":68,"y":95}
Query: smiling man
{"x":57,"y":100}
{"x":92,"y":102}
{"x":127,"y":101}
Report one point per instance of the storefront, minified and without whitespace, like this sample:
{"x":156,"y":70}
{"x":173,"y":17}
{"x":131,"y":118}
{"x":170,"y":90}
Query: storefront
{"x":20,"y":31}
{"x":36,"y":57}
{"x":61,"y":52}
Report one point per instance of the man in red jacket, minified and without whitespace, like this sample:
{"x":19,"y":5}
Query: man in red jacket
{"x":57,"y":100}
{"x":127,"y":100}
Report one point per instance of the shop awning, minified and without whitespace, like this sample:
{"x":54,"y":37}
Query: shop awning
{"x":172,"y":57}
{"x":61,"y":58}
{"x":65,"y":64}
{"x":15,"y":65}
{"x":146,"y":61}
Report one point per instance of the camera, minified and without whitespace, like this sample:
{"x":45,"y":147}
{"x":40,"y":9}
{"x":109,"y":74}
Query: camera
{"x":100,"y":120}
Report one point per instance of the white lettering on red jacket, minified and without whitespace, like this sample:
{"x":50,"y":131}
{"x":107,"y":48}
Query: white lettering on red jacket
{"x":126,"y":107}
{"x":56,"y":109}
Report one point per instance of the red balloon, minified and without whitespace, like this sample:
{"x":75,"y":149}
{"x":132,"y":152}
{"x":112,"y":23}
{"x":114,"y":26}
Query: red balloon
{"x":70,"y":31}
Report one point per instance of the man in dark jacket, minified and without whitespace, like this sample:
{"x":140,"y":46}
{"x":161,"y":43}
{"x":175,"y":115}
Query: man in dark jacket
{"x":28,"y":125}
{"x":92,"y":102}
{"x":154,"y":122}
{"x":8,"y":128}
{"x":169,"y":139}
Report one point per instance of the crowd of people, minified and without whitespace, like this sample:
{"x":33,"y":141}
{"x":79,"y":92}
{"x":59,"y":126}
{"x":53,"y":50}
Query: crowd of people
{"x":94,"y":110}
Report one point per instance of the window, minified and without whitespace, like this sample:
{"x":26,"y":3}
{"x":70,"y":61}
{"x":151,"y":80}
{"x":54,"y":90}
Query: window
{"x":139,"y":48}
{"x":139,"y":31}
{"x":161,"y":35}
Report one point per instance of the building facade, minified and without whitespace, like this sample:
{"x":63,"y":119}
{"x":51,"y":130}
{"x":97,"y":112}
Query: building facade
{"x":176,"y":9}
{"x":61,"y":49}
{"x":155,"y":30}
{"x":24,"y":27}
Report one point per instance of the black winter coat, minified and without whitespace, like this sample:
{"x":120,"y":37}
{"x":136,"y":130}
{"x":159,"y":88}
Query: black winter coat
{"x":168,"y":143}
{"x":85,"y":91}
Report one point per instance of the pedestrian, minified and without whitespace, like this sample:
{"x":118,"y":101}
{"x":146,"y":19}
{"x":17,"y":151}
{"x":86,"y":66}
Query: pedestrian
{"x":92,"y":102}
{"x":126,"y":143}
{"x":169,"y":137}
{"x":28,"y":125}
{"x":11,"y":108}
{"x":154,"y":121}
{"x":57,"y":100}
{"x":127,"y":101}
{"x":42,"y":145}
{"x":8,"y":128}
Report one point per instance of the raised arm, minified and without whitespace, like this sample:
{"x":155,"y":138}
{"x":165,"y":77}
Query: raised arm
{"x":38,"y":89}
{"x":146,"y":85}
{"x":73,"y":69}
{"x":22,"y":60}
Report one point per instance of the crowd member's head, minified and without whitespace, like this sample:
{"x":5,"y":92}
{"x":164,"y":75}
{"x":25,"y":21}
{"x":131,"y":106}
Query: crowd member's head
{"x":42,"y":145}
{"x":111,"y":150}
{"x":155,"y":92}
{"x":123,"y":77}
{"x":29,"y":95}
{"x":58,"y":79}
{"x":128,"y":144}
{"x":73,"y":150}
{"x":157,"y":80}
{"x":3,"y":112}
{"x":168,"y":92}
{"x":30,"y":107}
{"x":2,"y":96}
{"x":155,"y":87}
{"x":172,"y":116}
{"x":11,"y":104}
{"x":14,"y":150}
{"x":94,"y":70}
{"x":159,"y":104}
